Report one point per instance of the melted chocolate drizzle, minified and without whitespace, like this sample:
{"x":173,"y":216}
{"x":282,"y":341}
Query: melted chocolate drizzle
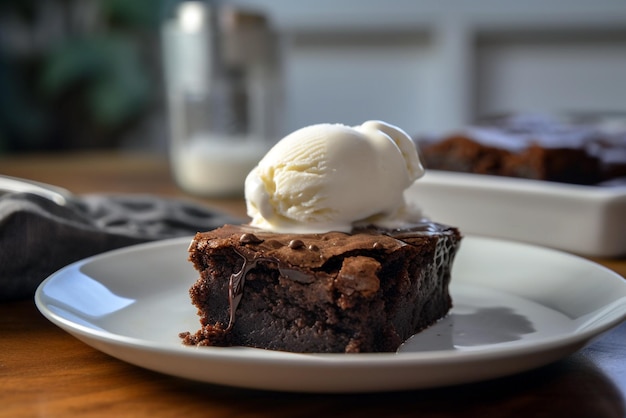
{"x":237,"y":281}
{"x":235,"y":288}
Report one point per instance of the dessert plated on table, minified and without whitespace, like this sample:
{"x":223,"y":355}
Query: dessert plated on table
{"x":334,"y":260}
{"x":508,"y":312}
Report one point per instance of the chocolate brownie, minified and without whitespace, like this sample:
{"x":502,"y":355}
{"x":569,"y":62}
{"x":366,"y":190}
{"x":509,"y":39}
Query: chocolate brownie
{"x":465,"y":154}
{"x":367,"y":291}
{"x":540,"y":149}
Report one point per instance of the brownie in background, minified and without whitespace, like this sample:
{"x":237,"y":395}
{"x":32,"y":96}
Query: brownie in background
{"x":532,"y":147}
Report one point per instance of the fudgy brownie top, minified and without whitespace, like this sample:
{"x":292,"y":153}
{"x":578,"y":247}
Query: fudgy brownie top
{"x":313,"y":250}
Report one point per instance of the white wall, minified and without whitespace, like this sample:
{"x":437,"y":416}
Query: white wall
{"x":434,"y":65}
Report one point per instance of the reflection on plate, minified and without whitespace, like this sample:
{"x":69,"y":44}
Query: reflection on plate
{"x":586,"y":220}
{"x":516,"y":307}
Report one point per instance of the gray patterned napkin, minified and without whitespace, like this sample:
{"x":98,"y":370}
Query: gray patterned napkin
{"x":38,"y":236}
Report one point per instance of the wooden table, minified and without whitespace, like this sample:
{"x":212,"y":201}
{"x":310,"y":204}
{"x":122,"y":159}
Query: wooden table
{"x":46,"y":372}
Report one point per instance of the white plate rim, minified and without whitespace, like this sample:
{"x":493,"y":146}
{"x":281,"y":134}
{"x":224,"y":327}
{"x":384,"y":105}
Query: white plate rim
{"x":110,"y":343}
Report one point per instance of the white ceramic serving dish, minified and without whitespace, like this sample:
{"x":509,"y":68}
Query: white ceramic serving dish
{"x":587,"y":220}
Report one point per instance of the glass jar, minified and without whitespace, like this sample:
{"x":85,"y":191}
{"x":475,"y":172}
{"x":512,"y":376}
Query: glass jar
{"x":224,"y":94}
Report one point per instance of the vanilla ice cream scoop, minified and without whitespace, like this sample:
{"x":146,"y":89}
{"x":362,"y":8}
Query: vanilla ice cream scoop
{"x":331,"y":177}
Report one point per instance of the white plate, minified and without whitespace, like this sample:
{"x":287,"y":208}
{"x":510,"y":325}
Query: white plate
{"x":516,"y":307}
{"x":587,"y":220}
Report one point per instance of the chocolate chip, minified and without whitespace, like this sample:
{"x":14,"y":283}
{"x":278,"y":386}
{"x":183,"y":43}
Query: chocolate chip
{"x":378,"y":246}
{"x":296,"y":244}
{"x":274,"y":243}
{"x":248,"y":238}
{"x":313,"y":247}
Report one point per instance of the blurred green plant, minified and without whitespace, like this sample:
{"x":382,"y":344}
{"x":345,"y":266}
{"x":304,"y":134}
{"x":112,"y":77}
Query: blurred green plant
{"x":115,"y":85}
{"x":75,"y":73}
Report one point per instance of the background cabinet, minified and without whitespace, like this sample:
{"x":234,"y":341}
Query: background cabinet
{"x":429,"y":66}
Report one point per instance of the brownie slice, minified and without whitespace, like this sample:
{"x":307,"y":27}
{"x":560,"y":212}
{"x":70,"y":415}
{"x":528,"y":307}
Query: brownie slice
{"x":468,"y":155}
{"x":525,"y":147}
{"x":462,"y":154}
{"x":333,"y":292}
{"x":563,"y":165}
